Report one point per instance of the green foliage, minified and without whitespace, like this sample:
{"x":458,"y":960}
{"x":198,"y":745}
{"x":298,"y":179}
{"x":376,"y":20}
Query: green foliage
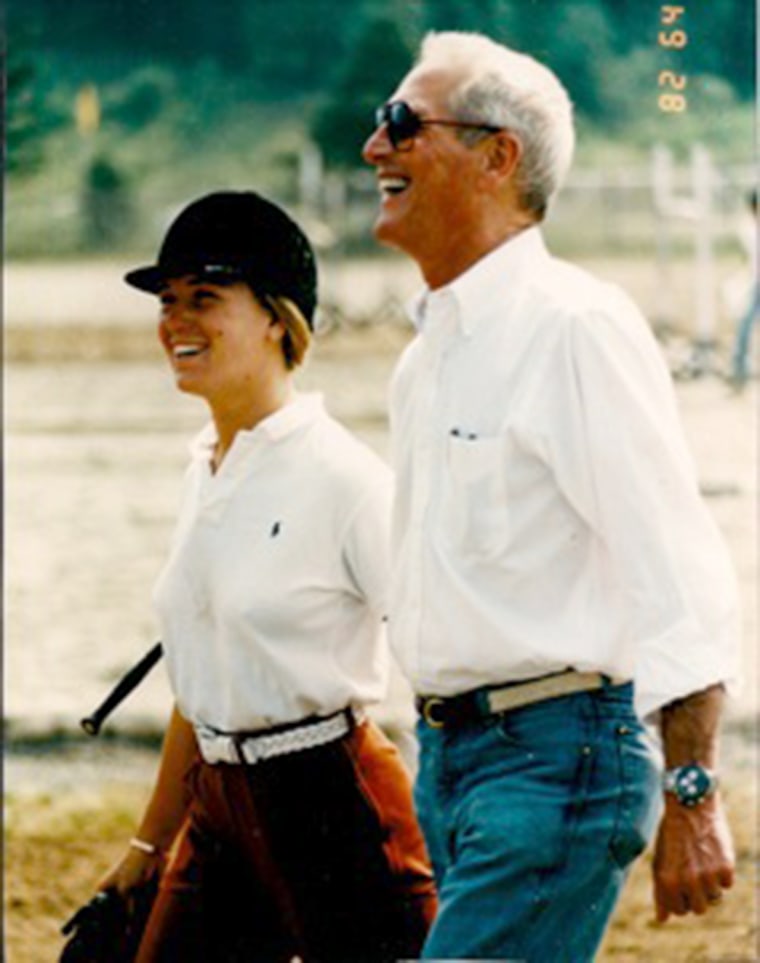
{"x":29,"y":118}
{"x":479,"y":15}
{"x":107,"y":207}
{"x":284,"y":50}
{"x":141,"y":98}
{"x":722,"y":38}
{"x":380,"y":58}
{"x":195,"y":97}
{"x":23,"y":141}
{"x":296,"y":46}
{"x":584,"y":66}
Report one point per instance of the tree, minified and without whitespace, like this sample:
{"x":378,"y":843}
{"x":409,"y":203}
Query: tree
{"x":379,"y":59}
{"x":28,"y":118}
{"x":581,"y":53}
{"x":722,"y":38}
{"x":295,"y":45}
{"x":107,"y":205}
{"x":479,"y":15}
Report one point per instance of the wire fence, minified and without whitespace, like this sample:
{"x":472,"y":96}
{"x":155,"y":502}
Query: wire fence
{"x":673,"y":233}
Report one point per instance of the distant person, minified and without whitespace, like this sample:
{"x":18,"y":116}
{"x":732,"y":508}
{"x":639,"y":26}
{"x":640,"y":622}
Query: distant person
{"x":740,"y":369}
{"x":270,"y":605}
{"x":557,"y":580}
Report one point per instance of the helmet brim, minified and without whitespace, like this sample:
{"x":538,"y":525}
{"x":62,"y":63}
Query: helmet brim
{"x":153,"y":277}
{"x":149,"y":278}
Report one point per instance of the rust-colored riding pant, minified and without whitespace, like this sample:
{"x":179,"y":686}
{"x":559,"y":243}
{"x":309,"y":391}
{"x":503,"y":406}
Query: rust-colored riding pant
{"x":314,"y":854}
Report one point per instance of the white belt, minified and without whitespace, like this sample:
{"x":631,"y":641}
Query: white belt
{"x":441,"y":711}
{"x":253,"y":747}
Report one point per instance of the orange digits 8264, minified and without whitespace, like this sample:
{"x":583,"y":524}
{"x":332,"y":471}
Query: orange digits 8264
{"x":673,"y":37}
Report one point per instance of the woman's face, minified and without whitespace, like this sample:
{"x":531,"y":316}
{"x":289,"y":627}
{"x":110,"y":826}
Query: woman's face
{"x":219,"y":339}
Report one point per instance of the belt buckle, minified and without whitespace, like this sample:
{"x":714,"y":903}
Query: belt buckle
{"x":428,"y":712}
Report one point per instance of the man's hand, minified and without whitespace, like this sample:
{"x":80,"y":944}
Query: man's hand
{"x":693,"y":860}
{"x":694,"y":855}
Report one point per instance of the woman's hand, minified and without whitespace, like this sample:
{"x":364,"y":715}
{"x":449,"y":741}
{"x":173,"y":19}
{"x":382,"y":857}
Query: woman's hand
{"x":134,"y":871}
{"x":163,"y":816}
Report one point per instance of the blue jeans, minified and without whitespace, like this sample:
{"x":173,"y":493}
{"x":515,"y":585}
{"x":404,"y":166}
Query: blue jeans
{"x":532,"y":820}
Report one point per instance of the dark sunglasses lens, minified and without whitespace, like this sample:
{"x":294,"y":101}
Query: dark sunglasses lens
{"x":404,"y":122}
{"x":401,"y":122}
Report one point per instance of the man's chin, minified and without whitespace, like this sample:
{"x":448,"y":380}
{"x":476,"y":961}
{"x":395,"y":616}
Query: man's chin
{"x":386,"y":232}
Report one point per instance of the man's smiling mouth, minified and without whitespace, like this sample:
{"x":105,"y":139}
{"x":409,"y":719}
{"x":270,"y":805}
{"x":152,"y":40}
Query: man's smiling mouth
{"x":390,"y":186}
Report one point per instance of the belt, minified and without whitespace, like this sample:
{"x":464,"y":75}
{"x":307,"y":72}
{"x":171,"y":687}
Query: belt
{"x":452,"y":711}
{"x":262,"y":744}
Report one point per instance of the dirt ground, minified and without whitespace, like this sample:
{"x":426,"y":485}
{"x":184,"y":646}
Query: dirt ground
{"x":95,"y":443}
{"x":57,"y":845}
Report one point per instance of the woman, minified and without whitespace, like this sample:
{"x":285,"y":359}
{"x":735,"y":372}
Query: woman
{"x":281,"y":821}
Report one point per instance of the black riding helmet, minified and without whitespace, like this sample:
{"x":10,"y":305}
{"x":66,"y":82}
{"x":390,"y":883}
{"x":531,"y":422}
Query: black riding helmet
{"x":236,"y":235}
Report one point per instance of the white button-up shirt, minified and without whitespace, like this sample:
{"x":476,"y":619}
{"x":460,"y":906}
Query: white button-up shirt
{"x":547,"y":511}
{"x":273,"y":596}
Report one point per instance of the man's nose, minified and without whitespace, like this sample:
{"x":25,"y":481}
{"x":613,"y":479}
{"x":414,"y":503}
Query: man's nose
{"x":377,"y":145}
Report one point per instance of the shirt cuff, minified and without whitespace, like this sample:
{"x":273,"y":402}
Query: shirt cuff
{"x":685,"y":660}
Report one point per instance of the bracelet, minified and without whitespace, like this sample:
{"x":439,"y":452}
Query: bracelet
{"x":144,"y":847}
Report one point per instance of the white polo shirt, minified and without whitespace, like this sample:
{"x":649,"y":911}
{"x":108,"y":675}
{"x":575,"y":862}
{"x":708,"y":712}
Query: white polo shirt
{"x":547,"y":511}
{"x":273,"y":596}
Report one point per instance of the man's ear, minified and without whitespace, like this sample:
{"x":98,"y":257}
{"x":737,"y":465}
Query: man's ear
{"x":503,"y":153}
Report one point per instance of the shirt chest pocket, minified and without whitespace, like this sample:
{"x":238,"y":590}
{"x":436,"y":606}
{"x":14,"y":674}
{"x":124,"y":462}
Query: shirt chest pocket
{"x":474,"y":503}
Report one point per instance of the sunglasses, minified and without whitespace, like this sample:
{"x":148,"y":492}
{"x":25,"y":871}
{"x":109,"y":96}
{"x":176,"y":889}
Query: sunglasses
{"x":402,"y":124}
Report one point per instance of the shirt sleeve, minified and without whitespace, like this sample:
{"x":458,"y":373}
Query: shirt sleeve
{"x":367,"y":543}
{"x":617,"y":449}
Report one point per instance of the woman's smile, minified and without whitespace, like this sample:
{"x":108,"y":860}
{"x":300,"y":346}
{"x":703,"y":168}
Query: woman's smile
{"x":216,"y":336}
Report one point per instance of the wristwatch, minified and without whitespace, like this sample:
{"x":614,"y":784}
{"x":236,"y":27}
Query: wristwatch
{"x":691,"y":784}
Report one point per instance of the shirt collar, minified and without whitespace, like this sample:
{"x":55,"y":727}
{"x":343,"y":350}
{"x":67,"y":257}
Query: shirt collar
{"x":498,"y":271}
{"x":302,"y":410}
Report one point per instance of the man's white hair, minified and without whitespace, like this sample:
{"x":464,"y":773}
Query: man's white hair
{"x":503,"y":88}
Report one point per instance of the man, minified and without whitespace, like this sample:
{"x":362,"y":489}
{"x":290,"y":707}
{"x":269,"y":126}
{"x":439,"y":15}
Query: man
{"x":558,"y":580}
{"x":740,"y":360}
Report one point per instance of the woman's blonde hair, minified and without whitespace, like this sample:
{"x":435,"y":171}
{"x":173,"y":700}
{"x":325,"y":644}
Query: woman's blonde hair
{"x":297,"y":338}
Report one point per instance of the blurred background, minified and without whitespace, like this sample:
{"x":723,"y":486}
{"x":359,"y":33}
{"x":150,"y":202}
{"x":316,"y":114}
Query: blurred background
{"x":117,"y":113}
{"x":120,"y":110}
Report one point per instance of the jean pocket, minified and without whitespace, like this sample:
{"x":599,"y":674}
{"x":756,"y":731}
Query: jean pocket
{"x":639,"y":794}
{"x":505,"y":735}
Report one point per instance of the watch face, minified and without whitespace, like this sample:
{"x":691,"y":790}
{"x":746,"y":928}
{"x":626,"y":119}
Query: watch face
{"x":692,"y":784}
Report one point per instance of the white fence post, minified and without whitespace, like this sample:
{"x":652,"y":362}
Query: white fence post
{"x":704,"y":282}
{"x":310,"y":178}
{"x":662,"y":190}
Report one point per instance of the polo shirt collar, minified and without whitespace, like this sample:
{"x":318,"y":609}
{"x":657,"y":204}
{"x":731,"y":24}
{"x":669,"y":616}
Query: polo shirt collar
{"x":301,"y":411}
{"x":498,"y":272}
